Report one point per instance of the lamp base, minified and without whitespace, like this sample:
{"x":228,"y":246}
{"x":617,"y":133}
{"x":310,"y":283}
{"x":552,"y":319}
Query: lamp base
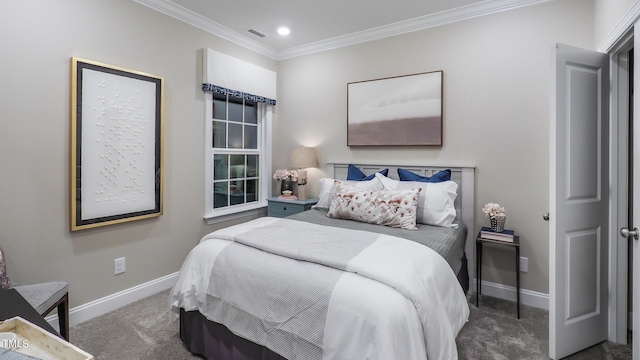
{"x":302,"y":192}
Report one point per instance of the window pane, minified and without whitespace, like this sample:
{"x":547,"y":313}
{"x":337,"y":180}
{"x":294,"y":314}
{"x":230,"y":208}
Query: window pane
{"x":219,"y":134}
{"x":252,"y":190}
{"x":235,"y":109}
{"x":237,"y":166}
{"x":236,"y":175}
{"x":252,"y":165}
{"x":250,"y":137}
{"x":220,"y":167}
{"x":237,"y":192}
{"x":220,"y":194}
{"x":235,"y":136}
{"x":219,"y":106}
{"x":250,"y":112}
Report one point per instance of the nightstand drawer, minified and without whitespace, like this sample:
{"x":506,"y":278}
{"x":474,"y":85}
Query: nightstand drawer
{"x":281,"y":208}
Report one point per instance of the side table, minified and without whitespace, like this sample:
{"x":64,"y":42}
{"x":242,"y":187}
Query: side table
{"x":13,"y":304}
{"x":516,"y":245}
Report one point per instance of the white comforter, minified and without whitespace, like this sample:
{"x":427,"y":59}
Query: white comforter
{"x":395,"y":299}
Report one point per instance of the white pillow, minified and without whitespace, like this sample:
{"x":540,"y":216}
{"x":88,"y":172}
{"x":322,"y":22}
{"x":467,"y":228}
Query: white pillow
{"x":327,"y":189}
{"x":436,"y":202}
{"x":381,"y":207}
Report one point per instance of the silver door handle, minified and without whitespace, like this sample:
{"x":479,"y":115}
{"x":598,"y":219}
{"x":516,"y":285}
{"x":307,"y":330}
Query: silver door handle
{"x":545,"y":216}
{"x":630,"y":233}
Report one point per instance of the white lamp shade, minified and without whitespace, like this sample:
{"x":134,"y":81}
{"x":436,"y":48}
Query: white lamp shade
{"x":303,"y":157}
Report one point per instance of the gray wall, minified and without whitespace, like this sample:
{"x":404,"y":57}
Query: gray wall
{"x":37,"y":39}
{"x":496,"y":111}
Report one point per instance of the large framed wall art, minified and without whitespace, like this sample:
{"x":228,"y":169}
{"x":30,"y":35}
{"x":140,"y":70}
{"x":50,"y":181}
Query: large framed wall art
{"x":403,"y":111}
{"x":116,"y":144}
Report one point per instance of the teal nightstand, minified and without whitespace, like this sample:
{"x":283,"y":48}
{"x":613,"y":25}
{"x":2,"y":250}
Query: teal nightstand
{"x":281,"y":208}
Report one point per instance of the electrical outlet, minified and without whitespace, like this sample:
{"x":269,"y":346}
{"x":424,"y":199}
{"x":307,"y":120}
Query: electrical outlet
{"x":119,"y":266}
{"x":524,"y":264}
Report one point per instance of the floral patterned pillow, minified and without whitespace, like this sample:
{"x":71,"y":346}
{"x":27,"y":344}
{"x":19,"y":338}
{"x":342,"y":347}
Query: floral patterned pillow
{"x":390,"y":208}
{"x":5,"y":283}
{"x":327,"y":189}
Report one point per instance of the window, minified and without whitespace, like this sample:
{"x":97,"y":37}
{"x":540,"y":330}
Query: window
{"x":235,"y":156}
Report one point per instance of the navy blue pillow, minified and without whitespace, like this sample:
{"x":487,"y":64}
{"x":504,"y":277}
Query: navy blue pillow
{"x":353,"y":173}
{"x":406,"y":175}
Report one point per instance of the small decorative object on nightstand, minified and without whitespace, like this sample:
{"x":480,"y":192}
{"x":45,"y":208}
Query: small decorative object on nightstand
{"x":281,"y":207}
{"x":508,"y":239}
{"x":286,"y":178}
{"x":496,"y":214}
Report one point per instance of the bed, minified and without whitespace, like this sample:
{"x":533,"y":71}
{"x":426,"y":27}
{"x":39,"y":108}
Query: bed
{"x":329,"y":288}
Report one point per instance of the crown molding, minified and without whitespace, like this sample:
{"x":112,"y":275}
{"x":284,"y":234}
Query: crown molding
{"x":620,"y":30}
{"x":488,"y":7}
{"x":183,"y":14}
{"x":416,"y":24}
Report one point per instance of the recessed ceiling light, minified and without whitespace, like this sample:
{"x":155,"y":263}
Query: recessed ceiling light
{"x":283,"y":30}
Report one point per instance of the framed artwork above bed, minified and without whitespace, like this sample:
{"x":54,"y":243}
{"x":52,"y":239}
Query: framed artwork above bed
{"x":402,"y":111}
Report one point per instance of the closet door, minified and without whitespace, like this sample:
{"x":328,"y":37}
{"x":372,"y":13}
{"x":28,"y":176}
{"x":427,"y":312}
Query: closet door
{"x":579,"y":198}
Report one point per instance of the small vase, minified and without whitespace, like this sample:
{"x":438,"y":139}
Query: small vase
{"x":497,"y":223}
{"x":286,"y":185}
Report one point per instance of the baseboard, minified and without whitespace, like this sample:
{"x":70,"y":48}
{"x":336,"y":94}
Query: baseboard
{"x":112,"y":302}
{"x":115,"y":301}
{"x":527,"y":297}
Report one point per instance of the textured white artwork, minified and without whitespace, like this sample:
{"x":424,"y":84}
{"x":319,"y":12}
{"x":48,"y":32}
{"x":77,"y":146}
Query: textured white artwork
{"x":118,"y":145}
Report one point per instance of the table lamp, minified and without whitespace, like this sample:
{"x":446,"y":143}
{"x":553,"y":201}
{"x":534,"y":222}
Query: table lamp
{"x":301,"y":158}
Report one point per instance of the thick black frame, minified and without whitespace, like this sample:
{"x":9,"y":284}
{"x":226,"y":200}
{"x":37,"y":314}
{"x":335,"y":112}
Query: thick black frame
{"x":77,"y":67}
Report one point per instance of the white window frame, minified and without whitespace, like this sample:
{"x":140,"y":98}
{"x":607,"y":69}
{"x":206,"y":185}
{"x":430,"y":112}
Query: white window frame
{"x":213,"y":216}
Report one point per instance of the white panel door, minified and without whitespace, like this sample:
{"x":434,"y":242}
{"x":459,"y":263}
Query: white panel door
{"x":579,"y":196}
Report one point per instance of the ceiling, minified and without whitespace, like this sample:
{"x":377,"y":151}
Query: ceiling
{"x":321,"y":25}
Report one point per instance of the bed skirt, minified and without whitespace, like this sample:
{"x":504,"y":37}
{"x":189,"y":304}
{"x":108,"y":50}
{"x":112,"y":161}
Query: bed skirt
{"x":463,"y":274}
{"x":214,"y":341}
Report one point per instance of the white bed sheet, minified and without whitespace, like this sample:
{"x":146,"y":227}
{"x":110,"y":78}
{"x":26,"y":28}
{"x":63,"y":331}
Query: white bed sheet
{"x":397,"y":299}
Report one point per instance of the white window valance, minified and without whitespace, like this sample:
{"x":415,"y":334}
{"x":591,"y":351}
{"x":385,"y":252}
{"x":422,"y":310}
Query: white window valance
{"x":231,"y":76}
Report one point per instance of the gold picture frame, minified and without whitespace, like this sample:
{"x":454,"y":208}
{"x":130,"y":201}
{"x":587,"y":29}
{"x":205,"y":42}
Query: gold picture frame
{"x":116,"y":151}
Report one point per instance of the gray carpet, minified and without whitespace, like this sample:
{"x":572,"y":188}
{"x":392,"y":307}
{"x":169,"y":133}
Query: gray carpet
{"x":143,"y":330}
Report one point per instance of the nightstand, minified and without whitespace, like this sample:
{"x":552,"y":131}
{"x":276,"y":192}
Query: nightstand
{"x":515,"y":245}
{"x":281,"y":207}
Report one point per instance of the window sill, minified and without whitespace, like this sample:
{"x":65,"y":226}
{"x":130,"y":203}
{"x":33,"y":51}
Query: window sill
{"x":258,"y":209}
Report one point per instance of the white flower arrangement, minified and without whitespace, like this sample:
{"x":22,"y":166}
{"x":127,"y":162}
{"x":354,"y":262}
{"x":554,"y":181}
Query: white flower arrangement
{"x":284,"y":173}
{"x":494,"y":210}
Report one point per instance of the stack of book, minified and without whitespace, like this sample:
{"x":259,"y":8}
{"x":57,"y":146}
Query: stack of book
{"x":505,"y":235}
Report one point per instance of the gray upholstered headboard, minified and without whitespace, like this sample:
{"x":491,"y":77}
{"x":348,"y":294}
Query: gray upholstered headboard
{"x":464,"y":204}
